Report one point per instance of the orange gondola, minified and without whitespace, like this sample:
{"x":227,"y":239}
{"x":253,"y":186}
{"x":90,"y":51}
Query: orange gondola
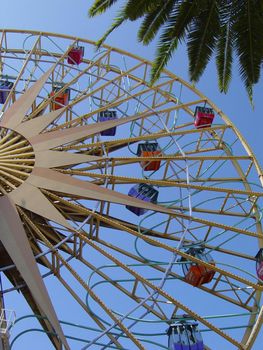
{"x":197,"y":274}
{"x":149,"y":150}
{"x":61,"y":99}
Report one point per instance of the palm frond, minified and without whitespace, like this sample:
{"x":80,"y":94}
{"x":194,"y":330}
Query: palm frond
{"x":135,"y":9}
{"x":117,"y":22}
{"x":224,"y":56}
{"x":100,"y":6}
{"x":174,"y":31}
{"x":249,"y":43}
{"x":153,"y":21}
{"x":233,"y":28}
{"x":202,"y":37}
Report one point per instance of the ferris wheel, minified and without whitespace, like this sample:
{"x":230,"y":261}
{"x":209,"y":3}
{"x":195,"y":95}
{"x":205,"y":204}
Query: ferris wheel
{"x":129,"y":213}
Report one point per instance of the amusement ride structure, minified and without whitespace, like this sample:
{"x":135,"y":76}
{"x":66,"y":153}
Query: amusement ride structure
{"x":130,"y":214}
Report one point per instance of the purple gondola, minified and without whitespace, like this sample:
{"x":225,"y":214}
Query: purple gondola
{"x":259,"y":264}
{"x":144,"y":192}
{"x":184,"y":335}
{"x":5,"y":88}
{"x":105,"y":116}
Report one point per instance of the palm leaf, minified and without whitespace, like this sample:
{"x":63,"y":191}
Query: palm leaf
{"x":153,"y":21}
{"x":224,"y":57}
{"x":117,"y":22}
{"x":174,"y":31}
{"x":135,"y":9}
{"x":202,"y":38}
{"x":249,"y":43}
{"x":100,"y":6}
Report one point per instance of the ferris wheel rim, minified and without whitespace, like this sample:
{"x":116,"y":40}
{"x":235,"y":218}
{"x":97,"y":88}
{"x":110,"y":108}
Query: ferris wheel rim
{"x":226,"y":120}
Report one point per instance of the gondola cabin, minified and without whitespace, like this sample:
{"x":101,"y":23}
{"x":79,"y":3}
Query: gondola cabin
{"x":75,"y":55}
{"x":184,"y":335}
{"x":5,"y":88}
{"x":106,"y":116}
{"x":149,"y":149}
{"x":144,"y":192}
{"x":204,"y":117}
{"x":61,"y":99}
{"x":259,"y":264}
{"x":196,"y":274}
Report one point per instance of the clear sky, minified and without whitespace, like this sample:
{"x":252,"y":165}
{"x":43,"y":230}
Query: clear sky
{"x":70,"y":17}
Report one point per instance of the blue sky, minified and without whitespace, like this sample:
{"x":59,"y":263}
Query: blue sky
{"x":70,"y":17}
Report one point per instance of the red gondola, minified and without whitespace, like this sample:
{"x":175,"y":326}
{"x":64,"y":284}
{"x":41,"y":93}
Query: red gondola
{"x":149,"y":150}
{"x":75,"y":55}
{"x":203,"y":117}
{"x":196,"y":274}
{"x":61,"y":99}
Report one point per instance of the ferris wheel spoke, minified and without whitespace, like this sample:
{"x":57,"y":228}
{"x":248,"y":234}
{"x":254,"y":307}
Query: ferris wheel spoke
{"x":212,"y":289}
{"x":85,"y":308}
{"x":53,"y":159}
{"x":84,"y":285}
{"x":120,"y":198}
{"x":27,"y":59}
{"x":181,"y":253}
{"x":161,"y":292}
{"x":57,"y":138}
{"x":222,"y":273}
{"x":115,"y":224}
{"x":154,"y":135}
{"x":59,"y":182}
{"x":160,"y":182}
{"x":126,"y":265}
{"x":15,"y":241}
{"x":220,"y":287}
{"x":41,"y":233}
{"x":121,"y":97}
{"x":78,"y":213}
{"x":34,"y":126}
{"x":18,"y":282}
{"x":92,"y":267}
{"x":31,"y":198}
{"x":69,"y":83}
{"x":16,"y":113}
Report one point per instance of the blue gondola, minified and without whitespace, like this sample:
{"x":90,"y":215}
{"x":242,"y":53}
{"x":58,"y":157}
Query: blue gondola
{"x":105,"y":116}
{"x":144,"y":192}
{"x":184,"y":335}
{"x":5,"y":88}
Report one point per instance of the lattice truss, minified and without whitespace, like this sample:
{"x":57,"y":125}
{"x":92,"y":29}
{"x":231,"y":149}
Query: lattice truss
{"x":64,"y":193}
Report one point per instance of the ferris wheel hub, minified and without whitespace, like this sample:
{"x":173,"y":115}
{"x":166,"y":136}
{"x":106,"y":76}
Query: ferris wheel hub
{"x":17,"y":160}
